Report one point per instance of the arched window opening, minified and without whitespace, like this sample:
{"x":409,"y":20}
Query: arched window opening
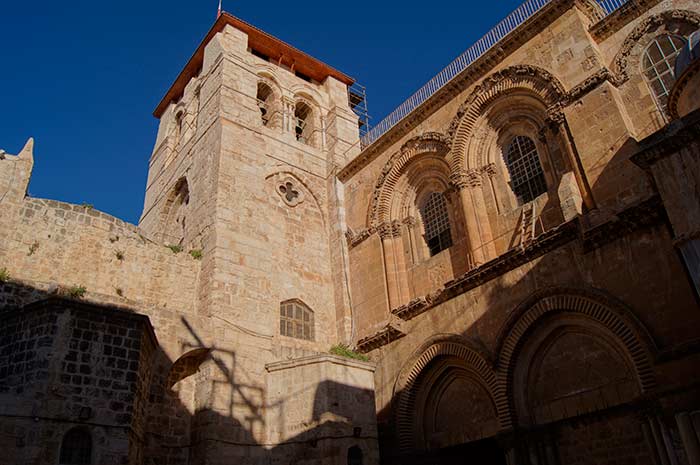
{"x":659,"y":66}
{"x":76,"y":448}
{"x":303,"y":129}
{"x":355,"y":456}
{"x":179,"y":123}
{"x":296,"y":320}
{"x":176,"y":213}
{"x":436,"y":222}
{"x":264,"y":98}
{"x":526,"y":175}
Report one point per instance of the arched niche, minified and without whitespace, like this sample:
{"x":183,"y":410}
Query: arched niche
{"x":446,"y":395}
{"x":175,"y":212}
{"x":187,"y":365}
{"x":570,"y":351}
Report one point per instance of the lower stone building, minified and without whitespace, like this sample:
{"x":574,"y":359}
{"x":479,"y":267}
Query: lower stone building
{"x":506,"y":269}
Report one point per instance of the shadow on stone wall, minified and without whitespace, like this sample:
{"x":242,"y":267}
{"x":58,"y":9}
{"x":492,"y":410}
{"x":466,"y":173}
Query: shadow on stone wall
{"x":67,"y":362}
{"x":566,"y":362}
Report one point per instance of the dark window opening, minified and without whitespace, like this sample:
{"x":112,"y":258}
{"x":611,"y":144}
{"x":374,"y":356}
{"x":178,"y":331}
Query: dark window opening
{"x":302,"y":128}
{"x":264,"y":99}
{"x":526,"y":175}
{"x":355,"y":456}
{"x":436,"y":222}
{"x":76,"y":448}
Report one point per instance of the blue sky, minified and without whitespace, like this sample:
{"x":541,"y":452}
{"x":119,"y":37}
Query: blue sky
{"x":83,"y":77}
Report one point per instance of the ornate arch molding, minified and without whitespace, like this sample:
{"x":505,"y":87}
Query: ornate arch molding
{"x":380,"y":203}
{"x":621,"y":65}
{"x":407,"y":384}
{"x":532,"y":78}
{"x":596,"y":306}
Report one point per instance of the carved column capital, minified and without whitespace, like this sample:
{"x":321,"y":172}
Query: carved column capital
{"x":466,"y":179}
{"x":489,"y":170}
{"x":410,"y":221}
{"x":387,"y":230}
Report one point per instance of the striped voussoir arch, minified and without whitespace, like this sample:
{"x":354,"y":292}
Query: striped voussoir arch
{"x":407,"y":387}
{"x":608,"y":313}
{"x":380,"y":204}
{"x":520,"y":77}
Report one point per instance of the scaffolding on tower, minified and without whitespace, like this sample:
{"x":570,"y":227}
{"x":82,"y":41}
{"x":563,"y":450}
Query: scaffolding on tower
{"x":357,"y":98}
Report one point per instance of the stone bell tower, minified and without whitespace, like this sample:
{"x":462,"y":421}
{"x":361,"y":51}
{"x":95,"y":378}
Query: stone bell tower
{"x":251,"y":135}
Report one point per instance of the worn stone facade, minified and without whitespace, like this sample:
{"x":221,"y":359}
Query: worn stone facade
{"x":518,"y":259}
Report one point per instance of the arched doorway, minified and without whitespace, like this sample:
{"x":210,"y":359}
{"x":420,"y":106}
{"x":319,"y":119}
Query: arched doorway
{"x":447,"y":412}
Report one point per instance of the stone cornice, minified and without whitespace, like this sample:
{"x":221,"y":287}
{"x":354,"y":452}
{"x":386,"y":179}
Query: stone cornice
{"x":471,"y":74}
{"x":386,"y":335}
{"x":645,"y":214}
{"x":673,"y":138}
{"x":613,"y":22}
{"x":620,"y":17}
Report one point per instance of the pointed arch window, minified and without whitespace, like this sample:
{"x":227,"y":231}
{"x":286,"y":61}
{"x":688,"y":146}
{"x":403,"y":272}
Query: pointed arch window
{"x":659,"y":63}
{"x":436,"y":221}
{"x":76,"y":447}
{"x":296,"y":320}
{"x":526,"y":175}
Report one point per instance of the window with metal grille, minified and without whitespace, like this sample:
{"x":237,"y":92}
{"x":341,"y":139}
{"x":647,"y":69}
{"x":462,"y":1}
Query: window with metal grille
{"x":264,"y":105}
{"x":296,"y":320}
{"x":526,"y":175}
{"x":658,"y":66}
{"x":76,"y":448}
{"x":436,"y":222}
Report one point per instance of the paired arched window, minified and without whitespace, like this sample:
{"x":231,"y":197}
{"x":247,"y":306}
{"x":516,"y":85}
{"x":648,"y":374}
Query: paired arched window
{"x":523,"y":163}
{"x":303,"y":127}
{"x":659,"y":63}
{"x":76,"y":447}
{"x":264,"y":98}
{"x":296,"y":320}
{"x":436,"y":222}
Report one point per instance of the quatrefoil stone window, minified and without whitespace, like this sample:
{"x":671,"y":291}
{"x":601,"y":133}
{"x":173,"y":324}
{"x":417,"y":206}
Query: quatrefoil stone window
{"x":290,"y":192}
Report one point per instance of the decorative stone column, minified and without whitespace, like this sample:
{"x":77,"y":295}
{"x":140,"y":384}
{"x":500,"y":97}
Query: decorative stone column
{"x":478,"y":229}
{"x":287,"y":115}
{"x":394,"y":263}
{"x":559,"y":126}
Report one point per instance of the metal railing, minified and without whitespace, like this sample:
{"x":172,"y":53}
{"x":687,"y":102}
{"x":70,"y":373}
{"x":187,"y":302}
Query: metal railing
{"x":462,"y":62}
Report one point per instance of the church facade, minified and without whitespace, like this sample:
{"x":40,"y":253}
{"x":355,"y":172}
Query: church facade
{"x":515,"y":263}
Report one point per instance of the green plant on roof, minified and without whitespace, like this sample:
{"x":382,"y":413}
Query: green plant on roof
{"x":344,"y":351}
{"x":77,"y":292}
{"x":4,"y":275}
{"x":196,"y":254}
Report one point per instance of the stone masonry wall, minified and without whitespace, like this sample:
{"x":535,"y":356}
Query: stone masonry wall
{"x":65,"y":364}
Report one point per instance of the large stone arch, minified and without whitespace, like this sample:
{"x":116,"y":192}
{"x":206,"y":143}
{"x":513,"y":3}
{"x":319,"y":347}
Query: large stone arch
{"x":627,"y":58}
{"x":528,"y":78}
{"x":407,"y":385}
{"x":380,"y":204}
{"x":594,"y":307}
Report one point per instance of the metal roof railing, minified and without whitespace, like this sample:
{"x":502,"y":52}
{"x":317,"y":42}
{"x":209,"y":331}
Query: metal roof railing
{"x":463,"y":61}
